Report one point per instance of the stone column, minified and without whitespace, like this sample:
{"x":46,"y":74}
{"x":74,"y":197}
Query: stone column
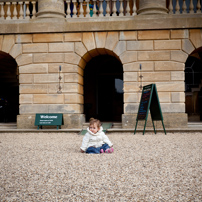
{"x":147,"y":7}
{"x":50,"y":9}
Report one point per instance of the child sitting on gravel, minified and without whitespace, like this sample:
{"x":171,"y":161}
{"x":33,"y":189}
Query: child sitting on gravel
{"x":95,"y":141}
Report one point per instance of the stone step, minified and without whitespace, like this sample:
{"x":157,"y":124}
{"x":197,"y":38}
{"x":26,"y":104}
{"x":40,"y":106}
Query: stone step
{"x":8,"y":125}
{"x":195,"y":124}
{"x":115,"y":125}
{"x":195,"y":89}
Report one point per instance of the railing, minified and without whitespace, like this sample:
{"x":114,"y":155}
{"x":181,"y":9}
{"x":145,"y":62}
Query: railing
{"x":18,"y":10}
{"x":26,"y":10}
{"x":185,"y":6}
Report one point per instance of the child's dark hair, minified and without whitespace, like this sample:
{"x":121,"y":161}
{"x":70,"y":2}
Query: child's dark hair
{"x":95,"y":121}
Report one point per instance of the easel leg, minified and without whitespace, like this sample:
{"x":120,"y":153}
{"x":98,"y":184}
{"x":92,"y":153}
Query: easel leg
{"x":164,"y":127}
{"x":144,"y":126}
{"x":154,"y":127}
{"x":135,"y":127}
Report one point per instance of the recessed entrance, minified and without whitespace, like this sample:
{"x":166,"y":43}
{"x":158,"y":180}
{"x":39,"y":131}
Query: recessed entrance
{"x":103,"y":89}
{"x":9,"y":88}
{"x":193,"y":86}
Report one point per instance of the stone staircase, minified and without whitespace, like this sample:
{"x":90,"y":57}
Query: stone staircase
{"x":116,"y":128}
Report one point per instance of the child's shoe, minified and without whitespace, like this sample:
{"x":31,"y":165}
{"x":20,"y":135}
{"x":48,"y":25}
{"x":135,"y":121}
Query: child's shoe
{"x":110,"y":150}
{"x":101,"y":151}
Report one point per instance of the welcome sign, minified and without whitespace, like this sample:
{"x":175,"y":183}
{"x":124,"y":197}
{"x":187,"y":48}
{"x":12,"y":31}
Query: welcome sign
{"x":48,"y":120}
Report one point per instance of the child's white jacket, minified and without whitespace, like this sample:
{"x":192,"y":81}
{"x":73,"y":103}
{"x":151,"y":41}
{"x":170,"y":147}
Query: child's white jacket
{"x":95,"y":140}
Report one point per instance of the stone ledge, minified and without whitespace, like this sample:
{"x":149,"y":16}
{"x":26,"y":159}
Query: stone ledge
{"x":119,"y":131}
{"x":139,"y":22}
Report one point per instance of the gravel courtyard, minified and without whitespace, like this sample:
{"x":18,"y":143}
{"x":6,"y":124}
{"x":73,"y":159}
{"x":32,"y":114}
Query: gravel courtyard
{"x":49,"y":167}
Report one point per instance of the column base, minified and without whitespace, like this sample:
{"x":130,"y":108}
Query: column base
{"x":26,"y":121}
{"x":170,"y":120}
{"x":73,"y":121}
{"x":154,"y":11}
{"x":50,"y":9}
{"x":70,"y":121}
{"x":152,"y":8}
{"x":50,"y":14}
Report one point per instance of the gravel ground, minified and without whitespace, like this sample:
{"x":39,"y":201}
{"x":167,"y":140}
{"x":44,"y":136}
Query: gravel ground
{"x":49,"y":167}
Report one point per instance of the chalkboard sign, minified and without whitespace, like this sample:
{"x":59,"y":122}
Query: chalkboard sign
{"x":149,"y":101}
{"x":48,"y":120}
{"x":143,"y":108}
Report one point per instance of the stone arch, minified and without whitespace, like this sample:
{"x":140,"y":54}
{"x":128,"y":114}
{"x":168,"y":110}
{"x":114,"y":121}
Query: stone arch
{"x":99,"y":43}
{"x":115,"y":44}
{"x":14,"y":50}
{"x":195,"y":37}
{"x":7,"y":43}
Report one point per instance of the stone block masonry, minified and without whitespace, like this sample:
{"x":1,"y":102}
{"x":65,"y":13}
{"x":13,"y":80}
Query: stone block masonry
{"x":162,"y":54}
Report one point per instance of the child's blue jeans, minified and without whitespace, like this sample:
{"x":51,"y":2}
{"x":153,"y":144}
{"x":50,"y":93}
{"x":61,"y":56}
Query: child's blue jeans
{"x":93,"y":150}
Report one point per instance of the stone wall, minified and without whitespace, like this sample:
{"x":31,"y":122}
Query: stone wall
{"x":162,"y":54}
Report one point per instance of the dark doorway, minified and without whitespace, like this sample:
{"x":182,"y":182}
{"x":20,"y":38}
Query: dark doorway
{"x":193,"y":86}
{"x":9,"y":88}
{"x":103,"y":89}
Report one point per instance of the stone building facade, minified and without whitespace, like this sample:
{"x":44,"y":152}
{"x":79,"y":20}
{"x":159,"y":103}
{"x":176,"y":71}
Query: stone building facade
{"x":160,"y":43}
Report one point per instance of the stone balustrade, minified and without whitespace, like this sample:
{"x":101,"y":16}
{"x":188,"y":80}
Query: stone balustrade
{"x":101,"y":8}
{"x":26,"y":10}
{"x":17,"y":10}
{"x":185,"y":6}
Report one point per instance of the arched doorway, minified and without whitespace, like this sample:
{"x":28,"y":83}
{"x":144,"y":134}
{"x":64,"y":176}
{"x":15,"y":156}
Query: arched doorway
{"x":193,"y":86}
{"x":103,"y":89}
{"x":9,"y":88}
